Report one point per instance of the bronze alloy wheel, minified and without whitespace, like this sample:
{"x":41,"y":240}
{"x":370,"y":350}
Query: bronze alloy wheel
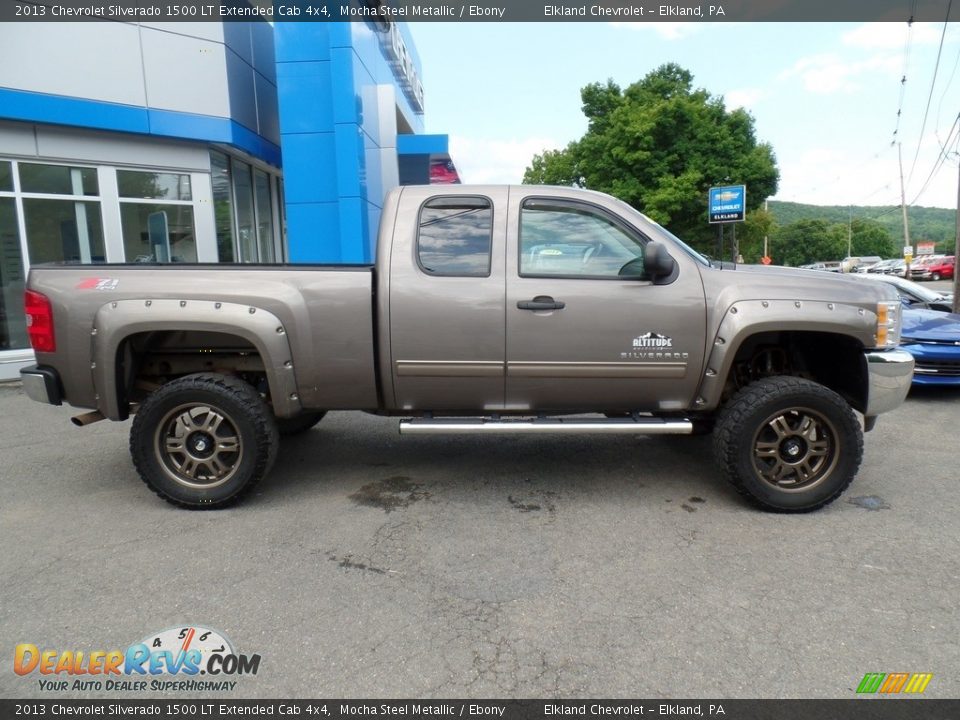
{"x":795,"y":449}
{"x":198,"y":446}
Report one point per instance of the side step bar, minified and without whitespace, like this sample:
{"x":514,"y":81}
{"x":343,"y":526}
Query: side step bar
{"x":545,"y":426}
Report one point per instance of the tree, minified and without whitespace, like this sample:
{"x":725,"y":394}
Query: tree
{"x":750,"y":234}
{"x":660,"y":145}
{"x":868,"y":237}
{"x":807,"y":241}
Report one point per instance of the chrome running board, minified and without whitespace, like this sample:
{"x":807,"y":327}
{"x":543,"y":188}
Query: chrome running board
{"x":545,"y":426}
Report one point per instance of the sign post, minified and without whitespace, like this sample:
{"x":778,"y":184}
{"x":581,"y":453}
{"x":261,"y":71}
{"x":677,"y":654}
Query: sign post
{"x":727,"y":204}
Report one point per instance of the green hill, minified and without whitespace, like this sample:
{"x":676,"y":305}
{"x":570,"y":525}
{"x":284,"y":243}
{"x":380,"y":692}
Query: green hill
{"x":936,"y":224}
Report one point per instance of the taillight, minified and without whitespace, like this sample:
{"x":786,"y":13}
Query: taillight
{"x":39,"y":321}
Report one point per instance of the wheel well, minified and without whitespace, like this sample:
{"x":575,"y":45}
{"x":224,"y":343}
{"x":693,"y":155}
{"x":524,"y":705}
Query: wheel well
{"x":148,"y":360}
{"x":835,"y":361}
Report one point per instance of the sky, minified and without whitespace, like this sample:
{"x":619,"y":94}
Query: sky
{"x":824,"y":95}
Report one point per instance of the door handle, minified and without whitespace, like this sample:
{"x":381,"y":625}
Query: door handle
{"x":541,"y":302}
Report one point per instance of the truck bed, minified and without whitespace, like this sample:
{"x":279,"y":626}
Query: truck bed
{"x":324,"y":312}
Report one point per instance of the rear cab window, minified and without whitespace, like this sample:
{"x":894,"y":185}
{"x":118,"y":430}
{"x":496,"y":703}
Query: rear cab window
{"x":454,"y":236}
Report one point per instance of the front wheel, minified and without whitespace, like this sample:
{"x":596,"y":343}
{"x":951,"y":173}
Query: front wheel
{"x":203,"y":441}
{"x":790,"y":444}
{"x":935,"y":276}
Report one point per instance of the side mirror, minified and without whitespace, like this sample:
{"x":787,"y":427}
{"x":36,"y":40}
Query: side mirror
{"x":657,"y":261}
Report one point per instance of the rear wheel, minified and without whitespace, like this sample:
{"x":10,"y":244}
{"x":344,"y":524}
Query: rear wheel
{"x":203,"y":441}
{"x":790,"y":444}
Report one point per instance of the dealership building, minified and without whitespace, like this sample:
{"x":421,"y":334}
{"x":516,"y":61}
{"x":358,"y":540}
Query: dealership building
{"x":185,"y":142}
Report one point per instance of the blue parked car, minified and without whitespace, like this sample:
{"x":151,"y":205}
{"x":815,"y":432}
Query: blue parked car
{"x":933,"y":338}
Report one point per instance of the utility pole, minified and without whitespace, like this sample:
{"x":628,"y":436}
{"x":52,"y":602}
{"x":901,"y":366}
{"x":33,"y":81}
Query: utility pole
{"x":850,"y":231}
{"x":906,"y":228}
{"x":766,"y":209}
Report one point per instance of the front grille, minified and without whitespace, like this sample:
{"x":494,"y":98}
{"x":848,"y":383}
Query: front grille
{"x":913,"y":341}
{"x":945,"y":368}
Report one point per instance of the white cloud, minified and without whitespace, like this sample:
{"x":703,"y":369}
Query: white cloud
{"x":829,"y":72}
{"x":743,"y":97}
{"x":666,"y":30}
{"x":892,"y":36}
{"x":481,"y":160}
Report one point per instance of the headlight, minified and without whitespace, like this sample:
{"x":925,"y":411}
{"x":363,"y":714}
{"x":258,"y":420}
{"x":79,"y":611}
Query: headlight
{"x":888,"y":324}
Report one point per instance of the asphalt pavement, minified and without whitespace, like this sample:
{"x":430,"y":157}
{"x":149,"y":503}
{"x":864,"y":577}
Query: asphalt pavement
{"x":369,"y":565}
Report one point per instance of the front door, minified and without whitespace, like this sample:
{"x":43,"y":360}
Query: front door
{"x":581,"y":336}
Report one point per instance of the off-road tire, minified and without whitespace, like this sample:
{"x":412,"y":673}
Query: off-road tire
{"x":207,"y":414}
{"x":791,"y":425}
{"x":298,"y":424}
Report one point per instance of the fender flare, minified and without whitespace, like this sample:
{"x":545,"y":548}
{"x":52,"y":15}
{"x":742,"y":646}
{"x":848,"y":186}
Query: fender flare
{"x":116,"y":321}
{"x":747,"y":318}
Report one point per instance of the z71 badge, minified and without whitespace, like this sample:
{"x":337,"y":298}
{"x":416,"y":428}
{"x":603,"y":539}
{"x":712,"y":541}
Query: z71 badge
{"x":99,"y":284}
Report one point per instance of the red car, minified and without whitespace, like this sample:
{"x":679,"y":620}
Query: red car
{"x":941,"y":269}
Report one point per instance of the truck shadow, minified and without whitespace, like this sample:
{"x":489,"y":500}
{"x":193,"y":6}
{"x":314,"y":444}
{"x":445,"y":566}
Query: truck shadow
{"x":935,"y":393}
{"x":374,"y":467}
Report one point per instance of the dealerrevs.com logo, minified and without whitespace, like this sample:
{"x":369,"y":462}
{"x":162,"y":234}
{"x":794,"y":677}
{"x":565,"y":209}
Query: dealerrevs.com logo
{"x":186,"y":658}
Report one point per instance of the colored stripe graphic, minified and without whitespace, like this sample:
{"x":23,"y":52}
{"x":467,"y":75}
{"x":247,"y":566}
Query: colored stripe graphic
{"x":918,"y":682}
{"x":871,"y":682}
{"x":893,"y":683}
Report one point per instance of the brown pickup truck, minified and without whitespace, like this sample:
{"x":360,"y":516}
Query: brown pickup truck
{"x":489,"y":310}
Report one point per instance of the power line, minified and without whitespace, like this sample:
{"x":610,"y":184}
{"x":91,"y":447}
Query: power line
{"x":933,"y":83}
{"x":906,"y":63}
{"x":941,"y":159}
{"x":946,"y":89}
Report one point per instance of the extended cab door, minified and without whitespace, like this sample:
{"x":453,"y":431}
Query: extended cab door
{"x":447,"y":293}
{"x":580,"y":335}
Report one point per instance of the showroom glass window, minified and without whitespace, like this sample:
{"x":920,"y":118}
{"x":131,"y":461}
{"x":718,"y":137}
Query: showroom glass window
{"x":222,"y":205}
{"x":13,"y":329}
{"x":156,"y":216}
{"x":455,"y":236}
{"x":244,"y":200}
{"x":61,"y":211}
{"x":263,"y":205}
{"x":573,"y":241}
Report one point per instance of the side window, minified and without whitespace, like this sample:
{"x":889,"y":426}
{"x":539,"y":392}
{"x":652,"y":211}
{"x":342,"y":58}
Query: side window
{"x":454,"y":236}
{"x":571,"y":241}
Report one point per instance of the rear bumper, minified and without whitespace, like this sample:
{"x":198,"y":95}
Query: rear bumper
{"x":42,"y":384}
{"x":889,"y":374}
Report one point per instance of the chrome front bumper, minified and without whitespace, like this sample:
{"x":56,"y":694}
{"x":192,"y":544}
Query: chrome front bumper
{"x":889,"y":374}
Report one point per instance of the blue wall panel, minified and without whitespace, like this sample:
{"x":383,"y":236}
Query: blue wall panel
{"x":329,"y":77}
{"x":310,"y":42}
{"x":317,"y":228}
{"x":355,"y":246}
{"x":308,"y":85}
{"x":309,"y":172}
{"x":60,"y":110}
{"x":423,"y":144}
{"x":77,"y":112}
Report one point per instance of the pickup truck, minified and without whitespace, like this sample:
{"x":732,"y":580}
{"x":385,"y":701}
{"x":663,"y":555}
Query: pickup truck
{"x":490,"y":309}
